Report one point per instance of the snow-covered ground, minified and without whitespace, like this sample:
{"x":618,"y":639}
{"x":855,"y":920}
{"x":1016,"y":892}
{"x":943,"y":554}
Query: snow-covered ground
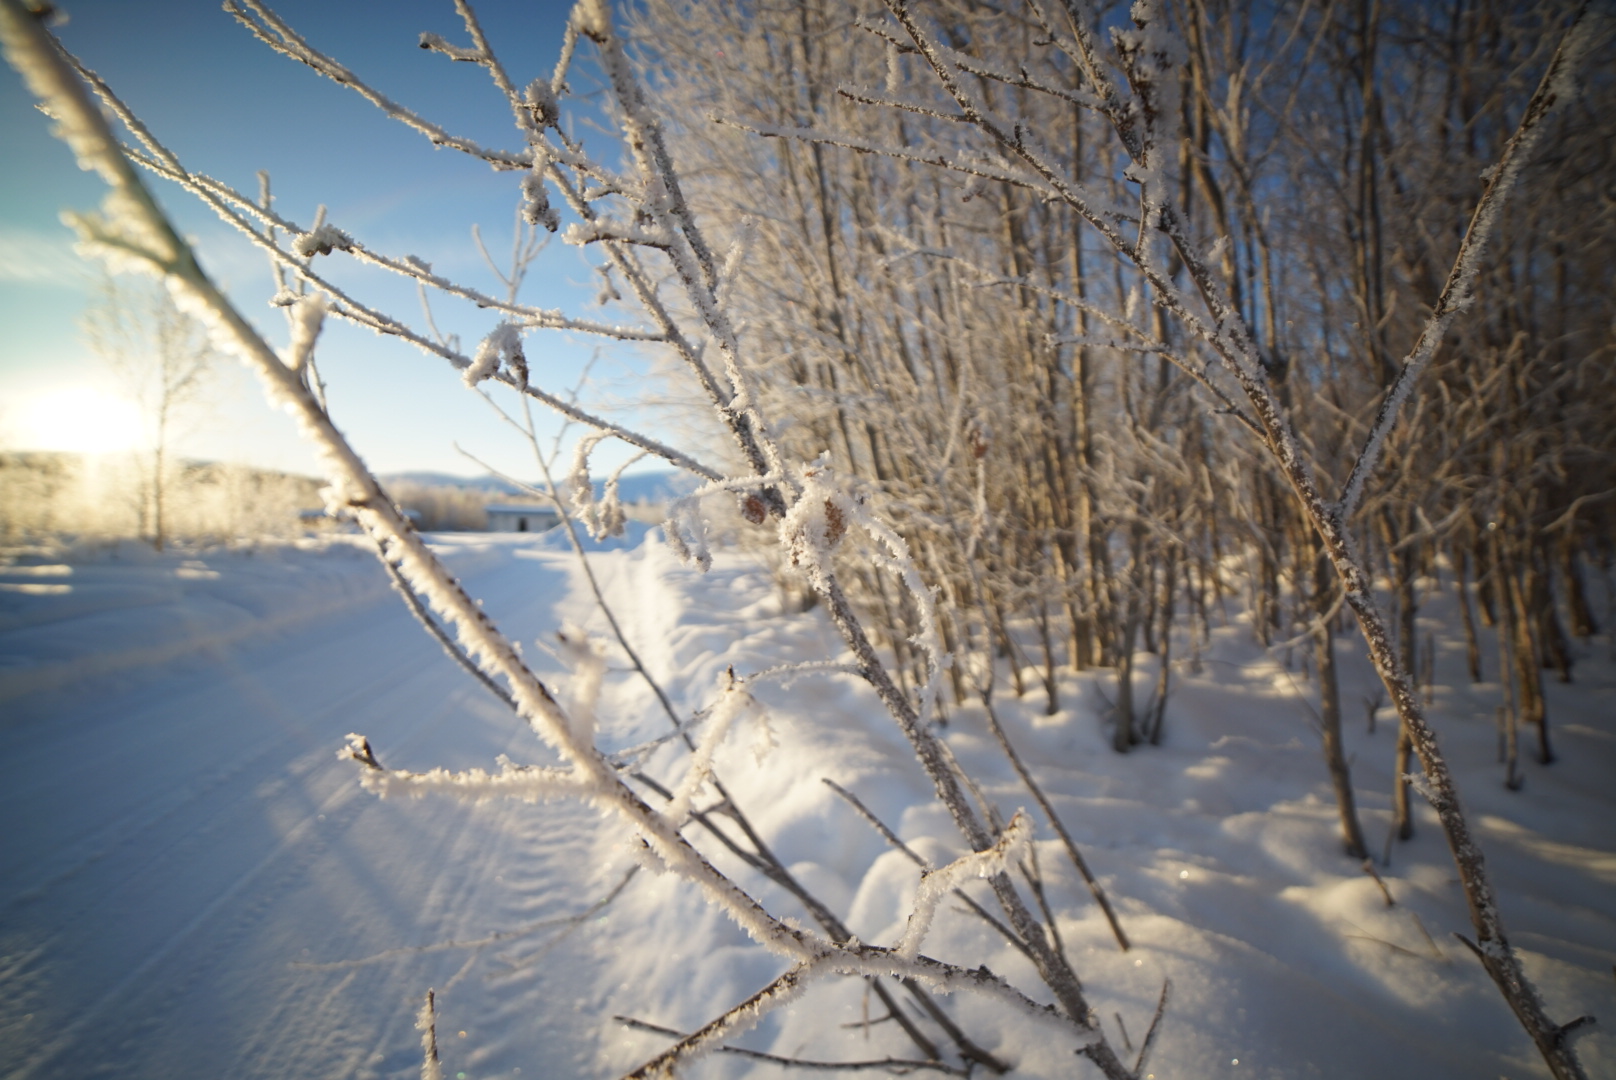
{"x":192,"y":884}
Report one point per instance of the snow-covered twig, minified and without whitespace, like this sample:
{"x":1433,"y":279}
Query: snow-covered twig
{"x":818,"y":522}
{"x":1055,"y":821}
{"x":1154,"y":1029}
{"x":733,"y":701}
{"x":892,"y":1065}
{"x":270,"y":29}
{"x":418,"y":608}
{"x":732,"y":1022}
{"x":978,"y":864}
{"x":787,"y":674}
{"x":234,"y":208}
{"x":925,"y":865}
{"x":526,"y":783}
{"x":426,"y":1022}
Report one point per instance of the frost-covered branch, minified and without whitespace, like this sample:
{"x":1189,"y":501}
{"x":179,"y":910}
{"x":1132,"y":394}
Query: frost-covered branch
{"x":889,"y":1064}
{"x":426,"y":1022}
{"x":925,"y":865}
{"x":735,"y":1021}
{"x":982,"y":169}
{"x":236,"y":209}
{"x":934,"y":884}
{"x":1055,"y":821}
{"x":525,"y":783}
{"x":1557,"y":86}
{"x":423,"y":616}
{"x":270,"y":29}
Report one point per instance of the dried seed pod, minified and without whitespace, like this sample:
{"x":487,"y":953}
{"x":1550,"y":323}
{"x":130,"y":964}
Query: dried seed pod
{"x":835,"y":523}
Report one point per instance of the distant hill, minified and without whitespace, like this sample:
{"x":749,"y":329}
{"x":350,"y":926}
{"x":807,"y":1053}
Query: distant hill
{"x":655,"y":486}
{"x":426,"y":478}
{"x":659,"y":486}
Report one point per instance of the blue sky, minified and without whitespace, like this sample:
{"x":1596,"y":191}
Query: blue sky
{"x":229,"y":107}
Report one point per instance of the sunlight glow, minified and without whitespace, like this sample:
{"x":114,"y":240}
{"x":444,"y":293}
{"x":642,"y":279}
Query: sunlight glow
{"x":76,"y":419}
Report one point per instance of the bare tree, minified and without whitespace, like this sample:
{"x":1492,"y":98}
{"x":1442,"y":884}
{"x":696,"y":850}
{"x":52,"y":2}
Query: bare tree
{"x":160,"y":359}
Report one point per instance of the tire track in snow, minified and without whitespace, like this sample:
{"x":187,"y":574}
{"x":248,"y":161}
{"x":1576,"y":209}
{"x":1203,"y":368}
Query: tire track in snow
{"x":127,"y":829}
{"x":158,"y":844}
{"x":166,"y":976}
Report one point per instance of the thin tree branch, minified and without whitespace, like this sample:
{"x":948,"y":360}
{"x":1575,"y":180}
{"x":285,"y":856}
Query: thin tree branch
{"x":890,"y":1064}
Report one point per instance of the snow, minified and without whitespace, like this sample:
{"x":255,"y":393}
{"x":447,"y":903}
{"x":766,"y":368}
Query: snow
{"x":502,"y":344}
{"x":194,"y":885}
{"x":73,"y":613}
{"x":308,"y":315}
{"x":323,"y":239}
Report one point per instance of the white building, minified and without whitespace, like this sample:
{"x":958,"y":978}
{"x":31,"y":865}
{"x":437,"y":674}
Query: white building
{"x":522,"y":517}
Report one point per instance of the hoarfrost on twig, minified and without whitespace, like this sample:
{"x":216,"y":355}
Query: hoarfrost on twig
{"x":503,"y":344}
{"x":936,"y":884}
{"x":733,"y":701}
{"x":426,"y":1022}
{"x":525,"y":783}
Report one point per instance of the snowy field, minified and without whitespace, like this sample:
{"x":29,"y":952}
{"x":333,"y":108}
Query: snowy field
{"x":193,"y":885}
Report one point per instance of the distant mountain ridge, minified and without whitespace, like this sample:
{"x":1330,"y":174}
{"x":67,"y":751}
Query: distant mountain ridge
{"x":427,"y":478}
{"x":659,"y":486}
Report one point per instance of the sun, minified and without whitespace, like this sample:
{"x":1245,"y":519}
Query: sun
{"x":75,"y":419}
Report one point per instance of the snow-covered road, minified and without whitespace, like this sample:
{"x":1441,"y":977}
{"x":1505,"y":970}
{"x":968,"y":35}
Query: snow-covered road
{"x":191,"y":883}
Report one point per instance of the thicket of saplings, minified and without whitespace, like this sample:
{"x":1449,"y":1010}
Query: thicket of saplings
{"x":1005,"y":390}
